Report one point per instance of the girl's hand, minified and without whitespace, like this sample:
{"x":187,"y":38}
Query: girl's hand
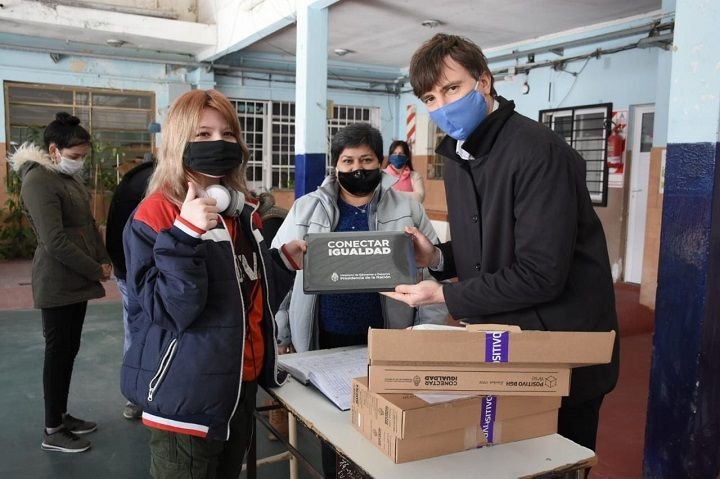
{"x":292,"y":254}
{"x":201,"y":212}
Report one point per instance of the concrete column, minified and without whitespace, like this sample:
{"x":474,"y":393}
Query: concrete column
{"x":310,"y":97}
{"x":683,"y":422}
{"x":201,"y":78}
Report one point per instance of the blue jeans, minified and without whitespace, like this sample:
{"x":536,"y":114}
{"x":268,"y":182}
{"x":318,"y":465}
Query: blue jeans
{"x":122,"y":286}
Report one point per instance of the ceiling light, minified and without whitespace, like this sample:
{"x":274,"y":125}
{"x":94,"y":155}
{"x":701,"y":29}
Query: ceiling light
{"x":431,"y":23}
{"x":341,"y":52}
{"x":115,"y":42}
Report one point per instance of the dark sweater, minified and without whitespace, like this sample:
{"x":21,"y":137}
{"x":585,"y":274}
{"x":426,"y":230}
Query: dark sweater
{"x":128,"y":195}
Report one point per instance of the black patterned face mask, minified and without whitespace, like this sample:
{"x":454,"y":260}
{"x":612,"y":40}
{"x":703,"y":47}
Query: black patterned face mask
{"x":359,"y":182}
{"x":213,"y":158}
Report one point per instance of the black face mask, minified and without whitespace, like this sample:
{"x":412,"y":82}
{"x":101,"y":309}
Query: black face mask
{"x":214,"y":158}
{"x":359,"y":182}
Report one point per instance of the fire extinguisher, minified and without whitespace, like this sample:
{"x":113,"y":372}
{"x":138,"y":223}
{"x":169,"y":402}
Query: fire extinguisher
{"x":615,"y":150}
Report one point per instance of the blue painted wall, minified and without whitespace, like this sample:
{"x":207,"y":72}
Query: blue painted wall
{"x":168,"y":83}
{"x":683,"y":428}
{"x":683,"y":423}
{"x":31,"y":67}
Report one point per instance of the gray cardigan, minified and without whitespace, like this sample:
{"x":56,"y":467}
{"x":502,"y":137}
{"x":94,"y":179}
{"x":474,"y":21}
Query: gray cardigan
{"x":318,"y":212}
{"x":67,"y":263}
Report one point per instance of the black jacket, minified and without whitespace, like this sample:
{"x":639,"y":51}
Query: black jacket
{"x":527,"y":245}
{"x":128,"y":195}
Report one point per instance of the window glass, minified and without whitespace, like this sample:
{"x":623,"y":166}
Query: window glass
{"x":271,"y":138}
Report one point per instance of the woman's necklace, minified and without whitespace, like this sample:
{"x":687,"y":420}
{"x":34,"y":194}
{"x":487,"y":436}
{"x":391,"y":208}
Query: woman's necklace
{"x":362,"y":209}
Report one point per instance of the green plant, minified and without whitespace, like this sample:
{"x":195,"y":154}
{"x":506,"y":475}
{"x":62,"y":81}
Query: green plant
{"x":100,"y":174}
{"x":17,"y":239}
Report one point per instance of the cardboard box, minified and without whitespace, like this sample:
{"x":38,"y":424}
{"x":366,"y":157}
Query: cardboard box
{"x":367,"y":261}
{"x":487,"y":379}
{"x":519,"y":428}
{"x":476,"y":345}
{"x":457,"y":440}
{"x":412,"y":449}
{"x":407,"y":415}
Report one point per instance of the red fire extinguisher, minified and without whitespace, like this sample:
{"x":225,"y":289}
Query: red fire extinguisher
{"x":615,"y":150}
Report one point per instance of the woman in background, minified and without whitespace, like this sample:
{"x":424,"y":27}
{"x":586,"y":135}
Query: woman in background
{"x":68,"y":265}
{"x":399,"y":165}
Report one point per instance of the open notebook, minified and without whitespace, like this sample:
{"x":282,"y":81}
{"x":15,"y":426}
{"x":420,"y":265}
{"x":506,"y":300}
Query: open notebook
{"x":330,"y":370}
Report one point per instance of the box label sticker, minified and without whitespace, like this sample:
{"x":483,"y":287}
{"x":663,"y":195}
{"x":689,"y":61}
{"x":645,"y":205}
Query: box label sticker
{"x":496,"y":346}
{"x":487,"y":418}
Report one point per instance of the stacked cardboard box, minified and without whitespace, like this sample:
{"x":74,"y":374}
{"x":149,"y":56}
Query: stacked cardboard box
{"x":407,"y":427}
{"x":531,"y":363}
{"x":520,"y":374}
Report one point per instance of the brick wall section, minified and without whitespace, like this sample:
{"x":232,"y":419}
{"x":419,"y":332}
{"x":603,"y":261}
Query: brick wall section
{"x":652,"y":232}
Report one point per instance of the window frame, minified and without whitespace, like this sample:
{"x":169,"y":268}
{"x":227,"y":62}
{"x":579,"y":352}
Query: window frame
{"x":81,"y":110}
{"x":598,"y":189}
{"x":107,"y":152}
{"x":275,"y":139}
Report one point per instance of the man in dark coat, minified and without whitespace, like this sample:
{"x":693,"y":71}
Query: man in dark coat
{"x":527,"y":247}
{"x":128,"y":195}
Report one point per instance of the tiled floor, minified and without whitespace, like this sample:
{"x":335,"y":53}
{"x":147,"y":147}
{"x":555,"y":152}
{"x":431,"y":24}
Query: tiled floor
{"x":120,"y":446}
{"x":621,"y":436}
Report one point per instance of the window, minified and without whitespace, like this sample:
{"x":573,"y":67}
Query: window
{"x":646,"y":132}
{"x":117,"y":120}
{"x":585,"y":128}
{"x":283,"y":146}
{"x":253,"y":116}
{"x":269,"y":130}
{"x":344,"y":115}
{"x":436,"y":163}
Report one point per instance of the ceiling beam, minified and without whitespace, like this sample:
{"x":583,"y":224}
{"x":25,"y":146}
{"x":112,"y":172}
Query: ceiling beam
{"x":64,"y":22}
{"x":240,"y":24}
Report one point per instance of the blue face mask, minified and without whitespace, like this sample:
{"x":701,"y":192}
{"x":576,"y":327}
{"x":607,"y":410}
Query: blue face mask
{"x":398,"y":161}
{"x":460,"y":118}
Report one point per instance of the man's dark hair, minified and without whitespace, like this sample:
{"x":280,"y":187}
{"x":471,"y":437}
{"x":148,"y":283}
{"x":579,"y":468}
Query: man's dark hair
{"x":352,"y":136}
{"x":65,"y":131}
{"x":428,"y":61}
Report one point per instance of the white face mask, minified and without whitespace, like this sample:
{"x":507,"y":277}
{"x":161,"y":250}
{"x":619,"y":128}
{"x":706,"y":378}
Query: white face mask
{"x":70,"y":167}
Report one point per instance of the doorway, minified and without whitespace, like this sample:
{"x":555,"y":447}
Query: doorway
{"x":640,"y":139}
